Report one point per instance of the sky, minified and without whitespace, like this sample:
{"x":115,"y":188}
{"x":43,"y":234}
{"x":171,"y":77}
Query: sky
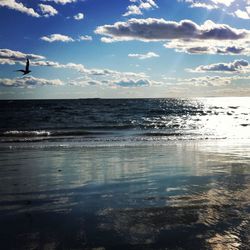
{"x":124,"y":48}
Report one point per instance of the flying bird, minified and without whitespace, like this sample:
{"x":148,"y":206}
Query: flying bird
{"x":26,"y":70}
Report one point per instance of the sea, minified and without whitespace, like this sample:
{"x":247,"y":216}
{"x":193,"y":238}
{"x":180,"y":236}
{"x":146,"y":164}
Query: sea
{"x":103,"y":121}
{"x":125,"y":174}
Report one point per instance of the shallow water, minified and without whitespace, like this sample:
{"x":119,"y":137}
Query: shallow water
{"x":176,"y":195}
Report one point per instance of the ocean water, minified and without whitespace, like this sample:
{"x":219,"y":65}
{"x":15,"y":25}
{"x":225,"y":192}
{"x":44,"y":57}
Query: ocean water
{"x":124,"y":120}
{"x":125,"y":174}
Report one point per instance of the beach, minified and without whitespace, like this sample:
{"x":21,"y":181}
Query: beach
{"x":125,"y":125}
{"x":178,"y":195}
{"x":125,"y":174}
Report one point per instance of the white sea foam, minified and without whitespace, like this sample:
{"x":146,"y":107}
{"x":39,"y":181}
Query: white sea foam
{"x":27,"y":133}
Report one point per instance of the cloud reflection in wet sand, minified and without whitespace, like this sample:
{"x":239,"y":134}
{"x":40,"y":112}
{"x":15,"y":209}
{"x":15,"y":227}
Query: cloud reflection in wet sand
{"x":216,"y":218}
{"x":184,"y":195}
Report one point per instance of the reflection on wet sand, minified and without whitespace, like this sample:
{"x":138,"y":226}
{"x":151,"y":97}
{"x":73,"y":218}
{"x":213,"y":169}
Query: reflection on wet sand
{"x":177,"y":196}
{"x":217,"y":218}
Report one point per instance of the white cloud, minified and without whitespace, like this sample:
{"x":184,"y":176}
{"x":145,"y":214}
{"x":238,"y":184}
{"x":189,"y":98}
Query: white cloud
{"x":223,"y":2}
{"x":234,"y":8}
{"x":248,"y":9}
{"x":144,"y":56}
{"x":85,"y":38}
{"x":209,"y":4}
{"x":138,"y":6}
{"x":29,"y":82}
{"x":18,"y":6}
{"x":133,"y":10}
{"x":79,"y":16}
{"x":7,"y":61}
{"x":57,"y":38}
{"x":64,"y":38}
{"x":203,"y":5}
{"x":47,"y":10}
{"x":242,"y":14}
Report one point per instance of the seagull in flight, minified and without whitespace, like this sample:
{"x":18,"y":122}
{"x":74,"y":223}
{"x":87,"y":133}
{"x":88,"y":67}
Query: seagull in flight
{"x":26,"y":70}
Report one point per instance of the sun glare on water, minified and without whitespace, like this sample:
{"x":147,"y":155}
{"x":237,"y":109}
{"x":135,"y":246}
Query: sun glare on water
{"x":226,"y":118}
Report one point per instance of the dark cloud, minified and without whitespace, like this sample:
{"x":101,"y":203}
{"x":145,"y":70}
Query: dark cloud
{"x":227,"y":47}
{"x":235,"y":66}
{"x":132,"y":83}
{"x":63,"y":2}
{"x":231,"y":50}
{"x":123,"y":82}
{"x":153,"y":29}
{"x":198,"y":50}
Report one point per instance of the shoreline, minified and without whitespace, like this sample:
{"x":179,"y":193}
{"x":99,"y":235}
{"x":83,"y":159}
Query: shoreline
{"x":102,"y":143}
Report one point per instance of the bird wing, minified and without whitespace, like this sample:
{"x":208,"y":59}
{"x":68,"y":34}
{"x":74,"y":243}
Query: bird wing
{"x":27,"y":65}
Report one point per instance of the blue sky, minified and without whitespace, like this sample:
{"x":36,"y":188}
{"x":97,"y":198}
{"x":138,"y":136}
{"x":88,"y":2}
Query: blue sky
{"x":125,"y":48}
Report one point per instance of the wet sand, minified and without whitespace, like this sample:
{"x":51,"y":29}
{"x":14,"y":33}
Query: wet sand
{"x":181,"y":195}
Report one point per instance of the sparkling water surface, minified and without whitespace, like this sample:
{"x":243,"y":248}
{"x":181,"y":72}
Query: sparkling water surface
{"x":124,"y":119}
